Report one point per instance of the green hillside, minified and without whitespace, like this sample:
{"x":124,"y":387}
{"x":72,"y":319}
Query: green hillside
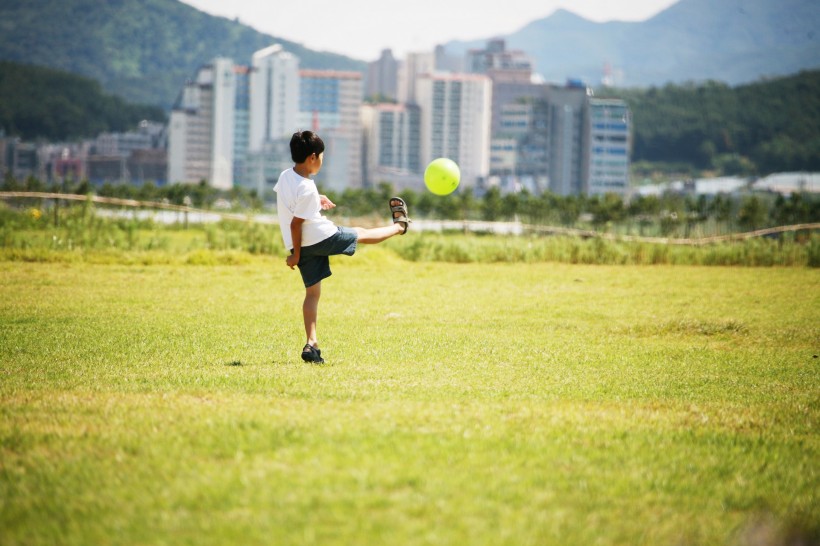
{"x":764,"y":127}
{"x":37,"y":102}
{"x":143,"y":51}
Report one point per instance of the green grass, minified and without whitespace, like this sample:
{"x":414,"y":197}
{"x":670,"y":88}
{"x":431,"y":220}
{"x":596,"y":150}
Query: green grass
{"x":473,"y":403}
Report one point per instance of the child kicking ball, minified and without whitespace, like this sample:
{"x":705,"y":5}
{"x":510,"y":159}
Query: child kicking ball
{"x":313,"y":238}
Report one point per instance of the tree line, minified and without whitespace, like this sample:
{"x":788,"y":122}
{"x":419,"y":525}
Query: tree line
{"x":670,"y":214}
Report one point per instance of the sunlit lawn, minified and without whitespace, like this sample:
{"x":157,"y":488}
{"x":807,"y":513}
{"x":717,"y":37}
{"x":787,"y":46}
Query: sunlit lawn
{"x":460,"y":404}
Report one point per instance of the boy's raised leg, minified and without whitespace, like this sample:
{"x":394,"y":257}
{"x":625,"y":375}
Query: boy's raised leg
{"x":373,"y":236}
{"x":398,"y":209}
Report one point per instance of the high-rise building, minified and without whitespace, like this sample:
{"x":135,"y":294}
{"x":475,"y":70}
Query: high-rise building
{"x":565,"y":141}
{"x":413,"y":66}
{"x":229,"y":124}
{"x":382,"y":77}
{"x":520,"y":147}
{"x":273,"y":109}
{"x":607,"y":131}
{"x":565,"y":138}
{"x":232,"y":124}
{"x":517,"y":128}
{"x":241,"y":132}
{"x":390,"y":145}
{"x":329,"y":105}
{"x":274,"y":96}
{"x":455,"y":122}
{"x":201,"y":128}
{"x":511,"y":74}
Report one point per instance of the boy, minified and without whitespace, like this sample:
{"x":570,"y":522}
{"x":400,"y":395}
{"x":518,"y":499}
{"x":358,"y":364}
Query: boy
{"x":312,"y":238}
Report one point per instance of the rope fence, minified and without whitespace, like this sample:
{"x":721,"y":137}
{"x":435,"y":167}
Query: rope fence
{"x":506,"y":227}
{"x":131,"y":203}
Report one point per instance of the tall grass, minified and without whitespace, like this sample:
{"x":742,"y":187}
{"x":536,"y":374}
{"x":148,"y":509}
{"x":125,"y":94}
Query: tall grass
{"x":76,"y":233}
{"x":462,"y":248}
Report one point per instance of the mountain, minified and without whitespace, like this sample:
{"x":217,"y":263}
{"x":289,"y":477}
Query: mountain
{"x":143,"y":50}
{"x":732,"y":41}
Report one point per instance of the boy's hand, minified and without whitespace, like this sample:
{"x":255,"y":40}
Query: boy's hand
{"x":292,"y":261}
{"x":326,"y":203}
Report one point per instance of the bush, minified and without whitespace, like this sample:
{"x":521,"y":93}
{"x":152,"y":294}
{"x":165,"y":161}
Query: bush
{"x":597,"y":250}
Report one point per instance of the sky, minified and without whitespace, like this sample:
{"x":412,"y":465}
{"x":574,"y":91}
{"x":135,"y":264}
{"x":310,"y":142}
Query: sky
{"x":363,"y":28}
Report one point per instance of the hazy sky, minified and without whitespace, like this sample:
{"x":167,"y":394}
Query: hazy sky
{"x":363,"y":28}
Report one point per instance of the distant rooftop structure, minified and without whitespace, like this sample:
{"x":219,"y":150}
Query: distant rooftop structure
{"x":700,"y":186}
{"x":783,"y":183}
{"x":788,"y":183}
{"x":268,"y":51}
{"x":499,"y":62}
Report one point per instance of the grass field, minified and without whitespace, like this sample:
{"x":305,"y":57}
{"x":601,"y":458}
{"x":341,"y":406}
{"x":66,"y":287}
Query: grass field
{"x":497,"y":404}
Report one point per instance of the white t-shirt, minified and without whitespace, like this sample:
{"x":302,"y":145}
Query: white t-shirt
{"x":298,"y":196}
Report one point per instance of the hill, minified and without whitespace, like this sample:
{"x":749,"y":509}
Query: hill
{"x":731,"y":41}
{"x":143,"y":51}
{"x":763,"y":127}
{"x":37,"y":102}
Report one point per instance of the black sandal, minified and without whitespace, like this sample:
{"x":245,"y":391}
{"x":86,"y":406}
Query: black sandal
{"x":312,"y":354}
{"x":401,"y":208}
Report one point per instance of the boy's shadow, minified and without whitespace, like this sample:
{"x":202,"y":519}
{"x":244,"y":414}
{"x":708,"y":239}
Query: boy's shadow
{"x":239,"y":363}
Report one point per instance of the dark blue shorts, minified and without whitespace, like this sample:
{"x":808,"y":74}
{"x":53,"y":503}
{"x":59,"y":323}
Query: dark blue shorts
{"x":314,"y":261}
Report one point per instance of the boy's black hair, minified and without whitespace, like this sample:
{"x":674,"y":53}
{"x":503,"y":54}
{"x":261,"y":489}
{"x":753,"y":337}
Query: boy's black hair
{"x":303,"y":144}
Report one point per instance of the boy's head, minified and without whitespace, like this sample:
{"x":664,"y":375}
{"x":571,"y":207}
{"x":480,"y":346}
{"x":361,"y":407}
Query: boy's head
{"x":303,"y":144}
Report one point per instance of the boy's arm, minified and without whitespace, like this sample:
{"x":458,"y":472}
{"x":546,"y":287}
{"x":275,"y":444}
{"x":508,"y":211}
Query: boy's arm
{"x":296,"y":236}
{"x":326,"y":203}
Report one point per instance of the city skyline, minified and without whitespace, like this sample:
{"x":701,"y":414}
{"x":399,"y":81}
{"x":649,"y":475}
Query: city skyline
{"x":362,"y":29}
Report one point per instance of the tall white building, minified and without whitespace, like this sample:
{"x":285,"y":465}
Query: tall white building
{"x":201,"y":128}
{"x":273,"y":116}
{"x":455,"y":122}
{"x":329,"y":105}
{"x":274,"y":96}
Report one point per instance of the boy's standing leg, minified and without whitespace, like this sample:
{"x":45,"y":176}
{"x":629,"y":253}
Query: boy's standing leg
{"x":310,"y":309}
{"x":310,"y":312}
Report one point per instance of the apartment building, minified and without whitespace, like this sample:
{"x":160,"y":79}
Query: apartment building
{"x":391,"y":145}
{"x":455,"y":122}
{"x":201,"y":128}
{"x":607,"y":132}
{"x":273,"y":116}
{"x":329,"y":103}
